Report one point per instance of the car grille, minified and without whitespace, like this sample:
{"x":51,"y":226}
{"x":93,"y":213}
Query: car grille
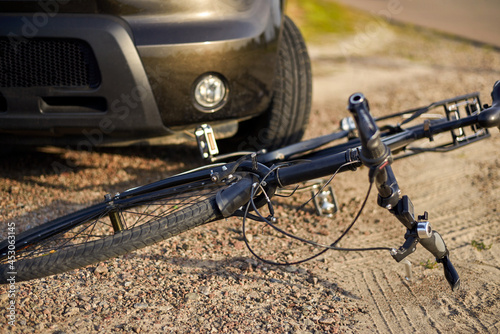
{"x":43,"y":62}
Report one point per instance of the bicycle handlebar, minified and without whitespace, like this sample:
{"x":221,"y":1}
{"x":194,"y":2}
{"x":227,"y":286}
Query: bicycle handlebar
{"x":373,"y":150}
{"x":490,"y":117}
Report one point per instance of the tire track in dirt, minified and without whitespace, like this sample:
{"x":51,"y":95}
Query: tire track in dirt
{"x":382,"y":280}
{"x":380,"y":303}
{"x":458,"y":307}
{"x":425,"y":313}
{"x":388,"y":312}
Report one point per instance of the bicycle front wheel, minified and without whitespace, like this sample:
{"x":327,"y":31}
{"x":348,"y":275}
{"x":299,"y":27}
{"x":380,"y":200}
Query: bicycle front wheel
{"x":108,"y":230}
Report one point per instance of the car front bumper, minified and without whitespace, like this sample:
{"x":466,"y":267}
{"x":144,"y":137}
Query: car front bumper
{"x":147,"y":65}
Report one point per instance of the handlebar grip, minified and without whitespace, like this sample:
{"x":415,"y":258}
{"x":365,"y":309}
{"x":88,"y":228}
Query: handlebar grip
{"x":373,"y":150}
{"x":490,"y":117}
{"x":495,"y":93}
{"x":450,"y":273}
{"x":435,"y":244}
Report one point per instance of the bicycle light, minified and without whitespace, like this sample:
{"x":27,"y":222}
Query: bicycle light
{"x":210,"y":92}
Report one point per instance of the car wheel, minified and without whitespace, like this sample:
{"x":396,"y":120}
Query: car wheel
{"x":285,"y":121}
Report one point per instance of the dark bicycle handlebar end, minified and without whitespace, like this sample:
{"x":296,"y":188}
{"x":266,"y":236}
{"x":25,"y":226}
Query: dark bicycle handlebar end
{"x":450,"y":273}
{"x":490,"y":117}
{"x":373,"y":150}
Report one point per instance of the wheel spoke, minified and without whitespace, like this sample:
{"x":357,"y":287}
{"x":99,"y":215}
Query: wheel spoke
{"x":132,"y":214}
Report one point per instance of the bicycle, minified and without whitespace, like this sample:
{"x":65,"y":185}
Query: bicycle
{"x":145,"y":215}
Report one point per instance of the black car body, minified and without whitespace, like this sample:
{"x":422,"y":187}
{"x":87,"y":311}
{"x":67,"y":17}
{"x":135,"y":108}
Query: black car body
{"x":96,"y":72}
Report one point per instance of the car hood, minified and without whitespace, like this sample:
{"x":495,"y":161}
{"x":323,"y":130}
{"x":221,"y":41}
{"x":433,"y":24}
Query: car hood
{"x":125,"y":7}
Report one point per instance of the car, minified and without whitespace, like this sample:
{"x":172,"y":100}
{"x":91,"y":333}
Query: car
{"x":119,"y":72}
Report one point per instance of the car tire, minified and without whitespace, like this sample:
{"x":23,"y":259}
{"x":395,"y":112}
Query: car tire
{"x":285,"y":121}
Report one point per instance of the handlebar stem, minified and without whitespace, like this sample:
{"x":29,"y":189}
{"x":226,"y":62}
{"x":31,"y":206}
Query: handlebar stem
{"x":376,"y":155}
{"x":373,"y":151}
{"x":388,"y":188}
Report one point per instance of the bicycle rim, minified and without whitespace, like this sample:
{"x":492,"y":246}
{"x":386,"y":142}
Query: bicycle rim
{"x":99,"y":227}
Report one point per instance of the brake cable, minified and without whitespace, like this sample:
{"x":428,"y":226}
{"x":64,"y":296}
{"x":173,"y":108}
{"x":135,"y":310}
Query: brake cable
{"x":332,"y":246}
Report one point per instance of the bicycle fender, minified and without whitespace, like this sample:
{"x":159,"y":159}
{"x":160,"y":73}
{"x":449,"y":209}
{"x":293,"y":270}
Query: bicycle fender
{"x":235,"y":196}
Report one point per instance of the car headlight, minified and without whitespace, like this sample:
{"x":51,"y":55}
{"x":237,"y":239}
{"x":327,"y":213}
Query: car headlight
{"x":210,"y":92}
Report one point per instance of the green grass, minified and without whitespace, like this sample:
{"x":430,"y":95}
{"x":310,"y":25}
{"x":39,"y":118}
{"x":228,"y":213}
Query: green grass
{"x":479,"y":245}
{"x":429,"y":264}
{"x":319,"y":17}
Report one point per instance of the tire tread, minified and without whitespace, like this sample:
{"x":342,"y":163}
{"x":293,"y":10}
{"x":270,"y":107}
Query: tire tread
{"x":114,"y":245}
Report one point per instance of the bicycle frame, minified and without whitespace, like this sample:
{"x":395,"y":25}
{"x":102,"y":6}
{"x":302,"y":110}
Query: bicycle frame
{"x":316,"y":164}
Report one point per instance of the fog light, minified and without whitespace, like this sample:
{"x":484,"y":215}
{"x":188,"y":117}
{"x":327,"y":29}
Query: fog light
{"x":210,"y":92}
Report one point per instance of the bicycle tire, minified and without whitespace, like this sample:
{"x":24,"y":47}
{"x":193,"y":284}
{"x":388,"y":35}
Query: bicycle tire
{"x":111,"y":246}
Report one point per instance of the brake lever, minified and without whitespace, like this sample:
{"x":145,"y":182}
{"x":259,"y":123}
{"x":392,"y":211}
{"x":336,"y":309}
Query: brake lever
{"x":408,"y":247}
{"x":434,"y":243}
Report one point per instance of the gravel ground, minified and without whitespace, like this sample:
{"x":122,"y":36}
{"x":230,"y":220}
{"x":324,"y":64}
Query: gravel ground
{"x":207,"y":281}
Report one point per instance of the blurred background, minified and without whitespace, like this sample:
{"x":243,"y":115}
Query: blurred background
{"x":474,"y":20}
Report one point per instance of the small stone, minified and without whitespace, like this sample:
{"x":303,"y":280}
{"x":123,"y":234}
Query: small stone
{"x":84,"y":298}
{"x":313,"y":280}
{"x":308,"y":322}
{"x":301,"y":271}
{"x":326,"y":321}
{"x":71,"y":311}
{"x":140,"y":305}
{"x":205,"y":290}
{"x":192,"y":296}
{"x":245,"y":266}
{"x":4,"y":297}
{"x":316,"y":318}
{"x":101,"y":269}
{"x":165,"y":308}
